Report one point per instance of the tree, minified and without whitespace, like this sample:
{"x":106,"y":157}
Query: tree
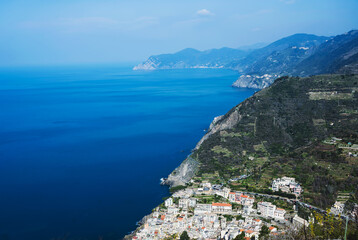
{"x":264,"y":232}
{"x":240,"y":236}
{"x":184,"y":236}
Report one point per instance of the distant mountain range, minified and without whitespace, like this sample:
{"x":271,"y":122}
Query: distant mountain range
{"x":192,"y":58}
{"x":296,"y":55}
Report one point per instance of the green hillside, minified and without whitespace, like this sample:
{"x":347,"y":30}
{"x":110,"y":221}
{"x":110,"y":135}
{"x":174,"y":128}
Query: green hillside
{"x":287,"y":130}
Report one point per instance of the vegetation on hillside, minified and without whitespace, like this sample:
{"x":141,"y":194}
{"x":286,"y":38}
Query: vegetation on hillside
{"x":284,"y":130}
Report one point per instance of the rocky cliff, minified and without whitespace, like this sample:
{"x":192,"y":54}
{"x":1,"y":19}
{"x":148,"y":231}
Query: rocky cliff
{"x":255,"y":81}
{"x":182,"y":174}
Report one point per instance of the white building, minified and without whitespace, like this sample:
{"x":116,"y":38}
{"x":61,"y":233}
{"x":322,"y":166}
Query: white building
{"x":286,"y":184}
{"x":299,"y":222}
{"x":280,"y":213}
{"x":337,"y":208}
{"x":246,"y":200}
{"x":267,"y":209}
{"x":202,"y":208}
{"x":183,"y":203}
{"x":168,"y":202}
{"x":173,"y":210}
{"x":221,"y":207}
{"x":192,"y":202}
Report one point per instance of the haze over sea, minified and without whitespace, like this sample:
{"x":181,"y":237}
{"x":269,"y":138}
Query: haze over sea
{"x":82,"y":148}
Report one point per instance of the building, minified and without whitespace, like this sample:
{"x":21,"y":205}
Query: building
{"x":286,"y":184}
{"x":173,"y":210}
{"x":221,"y":207}
{"x":232,"y":197}
{"x":267,"y":209}
{"x":168,"y":202}
{"x":192,"y":202}
{"x":299,"y":222}
{"x":183,"y":203}
{"x":337,"y":208}
{"x":246,"y":200}
{"x":280,"y":213}
{"x":202,"y":208}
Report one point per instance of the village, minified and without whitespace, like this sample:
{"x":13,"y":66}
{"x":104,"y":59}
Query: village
{"x":208,"y":211}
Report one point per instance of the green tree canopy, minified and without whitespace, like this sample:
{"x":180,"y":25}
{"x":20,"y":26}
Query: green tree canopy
{"x":240,"y":236}
{"x":184,"y":236}
{"x":264,"y":232}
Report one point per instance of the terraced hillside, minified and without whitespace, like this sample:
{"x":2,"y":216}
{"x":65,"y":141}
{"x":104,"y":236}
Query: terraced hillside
{"x":287,"y":130}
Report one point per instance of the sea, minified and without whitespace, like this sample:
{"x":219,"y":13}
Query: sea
{"x":83,"y":148}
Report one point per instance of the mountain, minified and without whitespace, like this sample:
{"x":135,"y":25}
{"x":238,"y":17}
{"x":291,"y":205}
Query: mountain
{"x":314,"y":55}
{"x":337,"y":55}
{"x":280,"y":56}
{"x":276,"y":58}
{"x":296,"y":55}
{"x":192,"y":58}
{"x":305,"y":128}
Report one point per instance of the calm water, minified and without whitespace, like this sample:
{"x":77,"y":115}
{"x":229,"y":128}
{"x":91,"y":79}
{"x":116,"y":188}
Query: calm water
{"x":82,"y":149}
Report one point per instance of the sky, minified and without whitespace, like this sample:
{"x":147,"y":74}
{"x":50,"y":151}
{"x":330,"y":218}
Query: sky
{"x":52,"y":32}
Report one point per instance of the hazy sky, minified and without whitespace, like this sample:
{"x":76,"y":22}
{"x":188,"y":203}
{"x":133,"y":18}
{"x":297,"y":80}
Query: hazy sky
{"x":34,"y":32}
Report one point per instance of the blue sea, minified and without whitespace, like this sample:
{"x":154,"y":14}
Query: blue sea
{"x":82,"y":148}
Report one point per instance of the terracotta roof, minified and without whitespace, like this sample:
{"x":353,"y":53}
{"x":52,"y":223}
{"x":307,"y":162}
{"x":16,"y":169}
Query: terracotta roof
{"x":249,"y":231}
{"x":280,"y":209}
{"x":162,"y":217}
{"x":247,"y":238}
{"x":244,"y":196}
{"x":271,"y":228}
{"x":221,"y":204}
{"x":203,"y":228}
{"x":257,"y":220}
{"x":231,"y":193}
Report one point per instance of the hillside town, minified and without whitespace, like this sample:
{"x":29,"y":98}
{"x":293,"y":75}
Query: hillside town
{"x":215,"y":212}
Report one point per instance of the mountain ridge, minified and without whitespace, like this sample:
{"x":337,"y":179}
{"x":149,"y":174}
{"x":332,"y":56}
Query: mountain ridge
{"x":296,"y":55}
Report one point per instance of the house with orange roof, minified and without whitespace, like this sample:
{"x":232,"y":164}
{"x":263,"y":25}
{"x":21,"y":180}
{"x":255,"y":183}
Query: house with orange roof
{"x":246,"y":200}
{"x":280,"y":213}
{"x":232,"y":197}
{"x":221,"y":207}
{"x":272,"y":229}
{"x":257,"y":221}
{"x":249,"y":233}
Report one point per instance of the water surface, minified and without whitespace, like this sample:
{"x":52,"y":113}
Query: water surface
{"x":82,"y":148}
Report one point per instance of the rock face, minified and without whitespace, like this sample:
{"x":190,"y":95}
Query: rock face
{"x":182,"y":174}
{"x":218,"y":124}
{"x":255,"y":81}
{"x":150,"y":64}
